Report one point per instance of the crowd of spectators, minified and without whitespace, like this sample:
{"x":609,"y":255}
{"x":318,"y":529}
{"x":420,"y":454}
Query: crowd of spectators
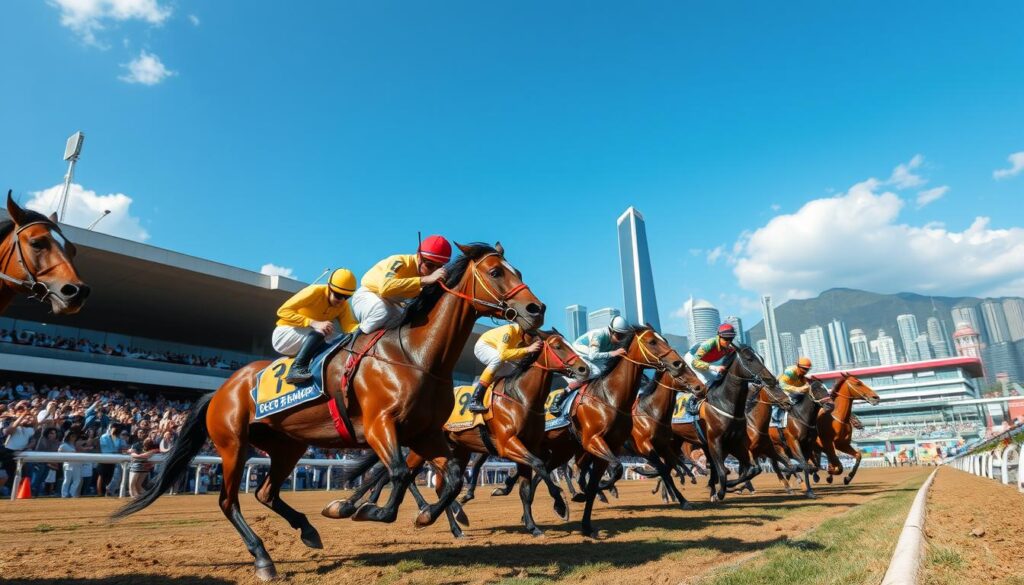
{"x":918,"y":431}
{"x":26,"y":337}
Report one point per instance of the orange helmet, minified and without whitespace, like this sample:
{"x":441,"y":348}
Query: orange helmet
{"x":804,"y":363}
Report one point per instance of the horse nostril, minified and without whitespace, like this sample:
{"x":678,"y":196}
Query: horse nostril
{"x":74,"y":292}
{"x":535,"y":309}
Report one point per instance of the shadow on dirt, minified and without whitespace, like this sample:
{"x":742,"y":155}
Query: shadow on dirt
{"x":132,"y":579}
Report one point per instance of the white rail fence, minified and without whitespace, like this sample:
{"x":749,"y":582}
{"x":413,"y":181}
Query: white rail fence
{"x":1001,"y":464}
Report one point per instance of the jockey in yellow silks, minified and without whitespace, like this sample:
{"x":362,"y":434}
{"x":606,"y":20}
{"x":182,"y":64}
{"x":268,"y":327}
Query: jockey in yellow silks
{"x":315,"y":315}
{"x":499,"y":349}
{"x":795,"y":383}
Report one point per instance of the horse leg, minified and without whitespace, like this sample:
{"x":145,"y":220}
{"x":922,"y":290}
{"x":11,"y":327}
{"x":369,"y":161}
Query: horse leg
{"x":434,"y":447}
{"x":526,"y":493}
{"x":232,"y":449}
{"x":474,"y":477}
{"x":517,"y":452}
{"x":596,"y":471}
{"x":719,"y":477}
{"x":506,"y":487}
{"x":284,"y":454}
{"x":849,"y":450}
{"x":665,"y":473}
{"x":383,"y":438}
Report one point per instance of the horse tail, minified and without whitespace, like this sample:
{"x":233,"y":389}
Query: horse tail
{"x":190,"y":441}
{"x":362,"y":465}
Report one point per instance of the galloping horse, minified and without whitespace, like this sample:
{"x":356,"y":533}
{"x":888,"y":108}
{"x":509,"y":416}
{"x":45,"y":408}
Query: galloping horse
{"x":723,"y":418}
{"x":834,"y":428}
{"x":516,"y":427}
{"x":602,"y":421}
{"x":652,"y":434}
{"x":759,"y":414}
{"x":36,"y":259}
{"x":797,"y":440}
{"x":400,"y":395}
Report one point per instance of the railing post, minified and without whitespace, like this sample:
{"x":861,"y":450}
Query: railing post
{"x":17,"y":480}
{"x":295,"y":486}
{"x":330,"y":468}
{"x":248,"y":477}
{"x":199,"y":470}
{"x":124,"y":479}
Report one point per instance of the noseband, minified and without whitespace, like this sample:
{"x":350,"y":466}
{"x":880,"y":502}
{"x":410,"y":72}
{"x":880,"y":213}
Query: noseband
{"x":500,"y":303}
{"x":548,"y":356}
{"x":658,"y":361}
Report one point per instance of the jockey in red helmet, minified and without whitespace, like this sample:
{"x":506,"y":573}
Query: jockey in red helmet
{"x":394,"y":281}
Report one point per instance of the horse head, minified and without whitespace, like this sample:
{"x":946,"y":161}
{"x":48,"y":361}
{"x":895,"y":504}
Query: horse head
{"x":496,"y":288}
{"x":820,"y":394}
{"x":650,"y":350}
{"x":859,"y":389}
{"x":749,"y":366}
{"x":558,"y":355}
{"x":43,"y":260}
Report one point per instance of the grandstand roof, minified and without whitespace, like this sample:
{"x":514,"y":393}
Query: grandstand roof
{"x":139,"y":289}
{"x":971,"y":365}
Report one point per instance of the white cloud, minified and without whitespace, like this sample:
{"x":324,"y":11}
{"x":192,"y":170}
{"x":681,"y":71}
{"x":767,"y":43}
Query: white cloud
{"x":84,"y":207}
{"x":193,"y":19}
{"x":275,"y":270}
{"x":1016,"y":166}
{"x":930,"y":195}
{"x":683,"y":312}
{"x":715,"y":254}
{"x":87,"y":17}
{"x":146,"y":69}
{"x":855,"y":240}
{"x":904,"y":177}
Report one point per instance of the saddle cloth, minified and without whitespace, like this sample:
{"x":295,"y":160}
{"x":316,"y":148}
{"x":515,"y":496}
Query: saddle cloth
{"x":562,"y":419}
{"x":461,"y":418}
{"x":273,"y":395}
{"x":679,"y":413}
{"x":779,"y":418}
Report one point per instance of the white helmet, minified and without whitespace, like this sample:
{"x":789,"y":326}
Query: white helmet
{"x":619,"y":325}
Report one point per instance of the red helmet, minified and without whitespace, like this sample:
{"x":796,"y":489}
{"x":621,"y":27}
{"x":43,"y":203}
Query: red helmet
{"x":436,"y":249}
{"x":726,"y":331}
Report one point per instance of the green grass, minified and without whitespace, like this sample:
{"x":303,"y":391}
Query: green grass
{"x":852,"y":548}
{"x":944,"y":557}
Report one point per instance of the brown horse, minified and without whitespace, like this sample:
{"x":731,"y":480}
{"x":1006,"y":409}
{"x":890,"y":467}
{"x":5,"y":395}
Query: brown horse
{"x":601,"y":422}
{"x":835,"y":431}
{"x":759,"y":415}
{"x":36,"y":259}
{"x":652,"y":436}
{"x":516,"y":427}
{"x":797,"y":440}
{"x":400,"y":395}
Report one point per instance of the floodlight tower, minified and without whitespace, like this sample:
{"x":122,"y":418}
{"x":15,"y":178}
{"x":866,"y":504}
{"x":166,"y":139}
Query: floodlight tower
{"x":71,"y":151}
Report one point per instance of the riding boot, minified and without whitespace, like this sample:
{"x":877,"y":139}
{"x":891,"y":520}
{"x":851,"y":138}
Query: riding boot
{"x":299,"y":372}
{"x":693,"y":405}
{"x":556,"y":403}
{"x":476,"y":402}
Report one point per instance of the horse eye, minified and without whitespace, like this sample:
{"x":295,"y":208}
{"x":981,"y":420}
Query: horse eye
{"x":38,"y":243}
{"x":495,"y":272}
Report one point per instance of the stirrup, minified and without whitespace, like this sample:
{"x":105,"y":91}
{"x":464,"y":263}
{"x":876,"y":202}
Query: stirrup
{"x":476,"y":407}
{"x":298,"y":376}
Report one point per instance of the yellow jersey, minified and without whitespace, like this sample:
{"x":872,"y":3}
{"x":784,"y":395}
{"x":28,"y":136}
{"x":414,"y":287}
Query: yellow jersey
{"x":395,"y":277}
{"x":509,"y":340}
{"x":311,"y":304}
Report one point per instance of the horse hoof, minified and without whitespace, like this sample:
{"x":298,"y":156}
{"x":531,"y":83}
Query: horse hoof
{"x":460,"y":516}
{"x":266,"y":572}
{"x":367,"y":513}
{"x":499,"y":492}
{"x":614,"y":491}
{"x":589,"y":533}
{"x":810,"y":495}
{"x":465,"y":498}
{"x":537,"y":533}
{"x":847,"y":480}
{"x":686,"y":505}
{"x":423,"y":519}
{"x":828,"y":479}
{"x":312,"y":539}
{"x":338,"y":509}
{"x":579,"y":498}
{"x":562,"y":511}
{"x":693,"y":481}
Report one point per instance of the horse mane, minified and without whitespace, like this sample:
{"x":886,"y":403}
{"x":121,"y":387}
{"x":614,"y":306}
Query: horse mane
{"x":7,"y":224}
{"x":430,"y":294}
{"x":834,"y":392}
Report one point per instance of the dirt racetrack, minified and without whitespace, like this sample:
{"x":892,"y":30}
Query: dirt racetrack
{"x":185,"y":539}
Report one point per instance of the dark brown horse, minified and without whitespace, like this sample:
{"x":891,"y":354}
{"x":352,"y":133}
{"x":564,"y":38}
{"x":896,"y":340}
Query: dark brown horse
{"x":797,"y":440}
{"x":759,"y":415}
{"x":835,"y":432}
{"x":36,"y":259}
{"x":400,"y":395}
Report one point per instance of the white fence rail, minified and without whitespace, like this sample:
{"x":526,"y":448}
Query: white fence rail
{"x":1001,"y":464}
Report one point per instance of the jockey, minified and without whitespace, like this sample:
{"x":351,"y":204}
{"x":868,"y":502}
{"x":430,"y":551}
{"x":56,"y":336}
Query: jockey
{"x":597,"y":347}
{"x":498,"y":349}
{"x":795,"y":383}
{"x":315,"y":315}
{"x":702,"y":360}
{"x":394,"y":281}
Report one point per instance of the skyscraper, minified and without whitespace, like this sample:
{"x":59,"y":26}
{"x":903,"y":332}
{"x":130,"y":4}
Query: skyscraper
{"x":839,"y":344}
{"x":1014,"y":311}
{"x":938,"y":338}
{"x":637,"y":277}
{"x":967,"y":314}
{"x":995,"y":321}
{"x":575,"y":321}
{"x":771,"y":331}
{"x":924,"y":350}
{"x":861,"y":348}
{"x":967,"y":341}
{"x":601,"y":317}
{"x":737,"y":323}
{"x":761,"y":347}
{"x":704,"y":321}
{"x":886,"y":348}
{"x":789,"y":348}
{"x":907,"y":325}
{"x":815,"y":346}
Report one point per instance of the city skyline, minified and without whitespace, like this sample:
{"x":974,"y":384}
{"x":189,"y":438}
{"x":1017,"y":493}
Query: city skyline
{"x":639,"y":299}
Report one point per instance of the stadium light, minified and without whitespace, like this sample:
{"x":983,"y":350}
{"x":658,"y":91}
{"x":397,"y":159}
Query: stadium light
{"x":105,"y":213}
{"x":72,"y":149}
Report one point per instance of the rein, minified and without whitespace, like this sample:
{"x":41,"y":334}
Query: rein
{"x":500,"y":301}
{"x":40,"y":291}
{"x":657,"y":363}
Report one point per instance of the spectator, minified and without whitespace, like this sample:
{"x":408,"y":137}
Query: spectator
{"x":72,"y":471}
{"x":87,"y":443}
{"x":44,"y":477}
{"x":109,"y":444}
{"x":140,"y":468}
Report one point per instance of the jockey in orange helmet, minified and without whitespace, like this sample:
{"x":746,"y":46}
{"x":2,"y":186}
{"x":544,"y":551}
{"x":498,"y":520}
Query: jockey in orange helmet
{"x":795,"y":383}
{"x":315,"y":315}
{"x":394,"y":281}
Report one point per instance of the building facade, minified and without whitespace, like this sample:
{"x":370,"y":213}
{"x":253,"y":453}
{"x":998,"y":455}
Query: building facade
{"x":575,"y":321}
{"x":967,"y":341}
{"x":601,"y":317}
{"x":885,"y":347}
{"x":771,"y":333}
{"x":790,"y":351}
{"x":815,"y":347}
{"x":907,"y":326}
{"x":737,"y":324}
{"x":637,"y":277}
{"x":938,"y":338}
{"x":704,"y":321}
{"x":1014,"y":311}
{"x":839,"y":343}
{"x":995,"y":321}
{"x":968,"y":314}
{"x":860,"y":347}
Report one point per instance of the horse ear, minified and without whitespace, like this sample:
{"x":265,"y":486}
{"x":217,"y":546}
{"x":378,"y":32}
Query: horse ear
{"x":53,"y":217}
{"x":500,"y":249}
{"x":463,"y":249}
{"x":17,"y":213}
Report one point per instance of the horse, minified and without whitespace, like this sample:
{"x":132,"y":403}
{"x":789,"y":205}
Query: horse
{"x":601,"y":420}
{"x":401,"y":394}
{"x":516,"y":427}
{"x":723,"y":418}
{"x":758,"y":415}
{"x":797,"y":440}
{"x":36,"y":259}
{"x":834,"y":428}
{"x":652,"y":437}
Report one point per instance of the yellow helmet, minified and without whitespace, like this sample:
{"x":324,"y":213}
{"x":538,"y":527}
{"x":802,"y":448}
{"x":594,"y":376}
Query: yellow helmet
{"x":804,"y":363}
{"x":342,"y":282}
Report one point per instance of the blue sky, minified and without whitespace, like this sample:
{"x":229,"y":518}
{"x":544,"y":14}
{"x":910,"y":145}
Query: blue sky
{"x":748,"y":134}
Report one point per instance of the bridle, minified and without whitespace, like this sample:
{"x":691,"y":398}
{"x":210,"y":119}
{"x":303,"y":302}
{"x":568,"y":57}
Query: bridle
{"x":38,"y":290}
{"x":500,"y":303}
{"x":651,"y":359}
{"x":754,"y":377}
{"x":549,"y":357}
{"x":852,"y":395}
